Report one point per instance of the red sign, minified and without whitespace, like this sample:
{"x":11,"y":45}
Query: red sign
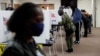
{"x":53,"y":15}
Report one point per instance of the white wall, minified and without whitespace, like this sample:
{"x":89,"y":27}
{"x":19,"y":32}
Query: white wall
{"x":55,"y":2}
{"x":85,"y":4}
{"x":97,"y":13}
{"x":8,"y":1}
{"x":4,"y":1}
{"x":16,"y":1}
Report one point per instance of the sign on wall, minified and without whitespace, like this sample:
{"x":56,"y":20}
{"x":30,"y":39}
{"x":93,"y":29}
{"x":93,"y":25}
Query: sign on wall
{"x":54,"y":17}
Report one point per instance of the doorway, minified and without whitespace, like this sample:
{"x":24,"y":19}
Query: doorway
{"x":16,"y":6}
{"x":3,"y":6}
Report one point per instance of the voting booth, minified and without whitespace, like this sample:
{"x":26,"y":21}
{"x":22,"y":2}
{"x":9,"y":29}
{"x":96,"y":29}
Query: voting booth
{"x":54,"y":17}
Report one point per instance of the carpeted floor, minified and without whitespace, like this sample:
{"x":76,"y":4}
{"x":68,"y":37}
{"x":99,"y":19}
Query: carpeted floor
{"x":89,"y":46}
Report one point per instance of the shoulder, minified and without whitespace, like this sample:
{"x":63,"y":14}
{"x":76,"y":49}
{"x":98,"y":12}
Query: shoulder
{"x":65,"y":15}
{"x":77,"y":10}
{"x":14,"y":49}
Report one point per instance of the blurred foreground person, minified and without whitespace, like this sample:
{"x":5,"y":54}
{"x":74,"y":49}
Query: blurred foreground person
{"x":26,"y":21}
{"x":69,"y":29}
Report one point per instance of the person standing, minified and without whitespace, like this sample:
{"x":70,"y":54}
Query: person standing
{"x":86,"y":22}
{"x":77,"y":20}
{"x":69,"y":29}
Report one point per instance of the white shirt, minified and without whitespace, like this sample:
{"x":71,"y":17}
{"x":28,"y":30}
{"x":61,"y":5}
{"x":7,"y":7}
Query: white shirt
{"x":68,"y":11}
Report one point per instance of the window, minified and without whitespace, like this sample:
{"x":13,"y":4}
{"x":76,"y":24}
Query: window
{"x":3,"y":6}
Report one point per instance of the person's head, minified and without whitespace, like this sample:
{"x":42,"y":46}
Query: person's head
{"x":85,"y":12}
{"x":26,"y":20}
{"x":82,"y":10}
{"x":72,"y":4}
{"x":60,"y":11}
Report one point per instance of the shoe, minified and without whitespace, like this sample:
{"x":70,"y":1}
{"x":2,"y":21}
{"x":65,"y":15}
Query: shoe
{"x":76,"y":42}
{"x":69,"y":50}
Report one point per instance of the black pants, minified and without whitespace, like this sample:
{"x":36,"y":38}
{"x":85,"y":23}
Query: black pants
{"x":69,"y":40}
{"x":86,"y":28}
{"x":78,"y":30}
{"x":90,"y":25}
{"x":89,"y":31}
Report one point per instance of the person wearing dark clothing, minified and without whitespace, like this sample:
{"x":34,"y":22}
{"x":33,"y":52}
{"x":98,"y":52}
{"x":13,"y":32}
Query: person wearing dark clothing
{"x":25,"y":22}
{"x":86,"y":26}
{"x":86,"y":22}
{"x":90,"y":24}
{"x":77,"y":19}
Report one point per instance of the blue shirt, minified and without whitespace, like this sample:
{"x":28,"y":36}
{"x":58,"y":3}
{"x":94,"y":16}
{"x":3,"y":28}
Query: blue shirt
{"x":77,"y":16}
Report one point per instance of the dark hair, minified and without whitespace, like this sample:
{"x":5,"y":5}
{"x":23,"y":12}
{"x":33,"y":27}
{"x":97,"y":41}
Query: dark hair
{"x":25,"y":12}
{"x":60,"y":11}
{"x":82,"y":10}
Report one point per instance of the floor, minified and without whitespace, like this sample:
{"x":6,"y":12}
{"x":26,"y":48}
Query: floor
{"x":89,"y":46}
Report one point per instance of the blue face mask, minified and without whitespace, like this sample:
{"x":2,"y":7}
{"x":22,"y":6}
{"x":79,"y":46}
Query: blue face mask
{"x":37,"y":28}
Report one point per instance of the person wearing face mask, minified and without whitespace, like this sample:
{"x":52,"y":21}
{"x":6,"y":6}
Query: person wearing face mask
{"x":25,"y":22}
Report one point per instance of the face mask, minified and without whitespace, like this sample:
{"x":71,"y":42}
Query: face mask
{"x":37,"y":28}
